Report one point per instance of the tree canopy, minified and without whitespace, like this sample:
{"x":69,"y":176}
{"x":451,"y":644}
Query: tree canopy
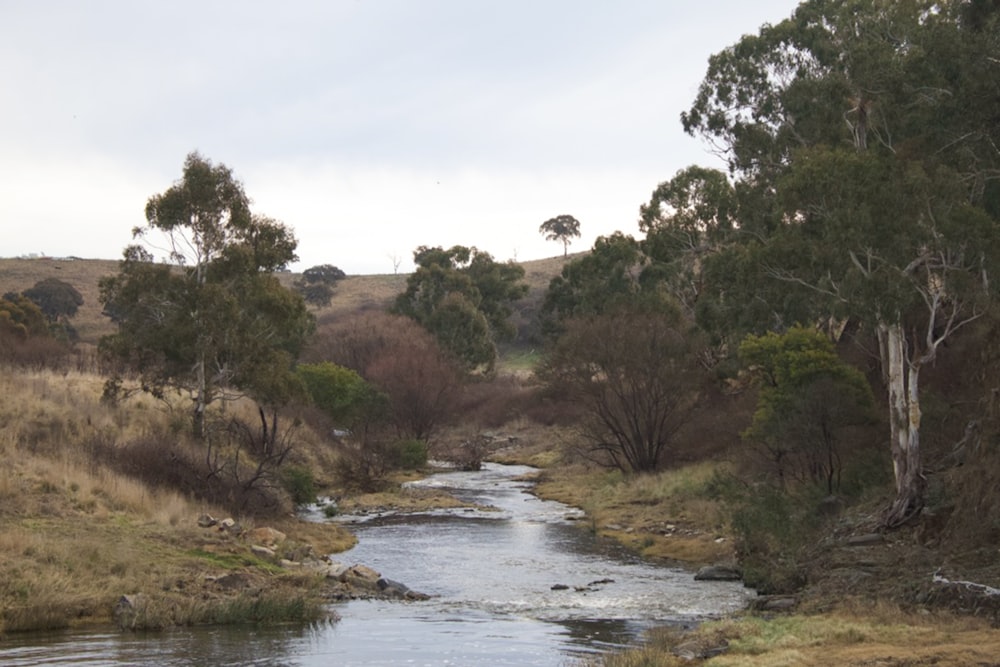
{"x":214,"y":321}
{"x":317,"y":284}
{"x":863,"y":144}
{"x":465,"y":298}
{"x":57,"y":299}
{"x":563,"y":228}
{"x":808,"y":398}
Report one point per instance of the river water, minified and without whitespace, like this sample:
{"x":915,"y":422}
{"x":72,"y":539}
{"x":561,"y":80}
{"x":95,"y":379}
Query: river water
{"x":522,"y":583}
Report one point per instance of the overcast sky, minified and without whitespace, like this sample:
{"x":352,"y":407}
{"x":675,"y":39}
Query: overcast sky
{"x":369,"y":127}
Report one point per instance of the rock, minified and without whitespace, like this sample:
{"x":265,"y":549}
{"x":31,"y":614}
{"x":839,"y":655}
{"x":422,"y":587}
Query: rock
{"x":392,"y":588}
{"x":129,"y":611}
{"x":266,"y":536}
{"x":207,"y":521}
{"x":601,"y":581}
{"x":869,"y":540}
{"x":718,"y":573}
{"x":559,"y":587}
{"x":233,"y":581}
{"x":263,"y":552}
{"x":361,"y":576}
{"x":229,"y":525}
{"x":300,"y":553}
{"x":335,"y":570}
{"x":773,"y":603}
{"x":699,"y":650}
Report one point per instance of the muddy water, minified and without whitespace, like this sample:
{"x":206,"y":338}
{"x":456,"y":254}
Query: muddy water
{"x":521,"y":584}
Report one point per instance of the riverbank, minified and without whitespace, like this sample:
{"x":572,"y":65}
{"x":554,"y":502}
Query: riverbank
{"x":74,"y":559}
{"x":870,"y":598}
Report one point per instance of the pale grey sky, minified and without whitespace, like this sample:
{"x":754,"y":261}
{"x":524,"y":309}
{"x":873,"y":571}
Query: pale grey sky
{"x":369,"y":127}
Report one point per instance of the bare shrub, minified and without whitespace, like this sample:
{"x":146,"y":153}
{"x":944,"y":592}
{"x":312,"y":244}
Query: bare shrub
{"x":636,"y":373}
{"x":402,"y":360}
{"x":224,"y":473}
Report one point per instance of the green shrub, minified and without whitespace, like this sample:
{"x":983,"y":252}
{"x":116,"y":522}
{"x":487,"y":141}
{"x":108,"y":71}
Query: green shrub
{"x":299,"y":483}
{"x":412,"y":454}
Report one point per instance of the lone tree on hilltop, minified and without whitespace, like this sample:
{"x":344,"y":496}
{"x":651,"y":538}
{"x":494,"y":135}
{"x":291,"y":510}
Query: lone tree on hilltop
{"x":561,"y":228}
{"x":317,"y":283}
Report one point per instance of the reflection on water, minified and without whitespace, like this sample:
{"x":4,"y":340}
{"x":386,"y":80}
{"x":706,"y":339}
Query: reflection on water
{"x":521,"y":585}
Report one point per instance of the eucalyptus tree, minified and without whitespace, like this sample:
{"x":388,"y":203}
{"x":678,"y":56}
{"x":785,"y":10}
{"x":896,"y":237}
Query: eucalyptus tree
{"x":595,"y":283}
{"x":465,"y":298}
{"x":863,"y":139}
{"x":58,"y":299}
{"x":317,"y":284}
{"x":562,"y":228}
{"x":212,"y":320}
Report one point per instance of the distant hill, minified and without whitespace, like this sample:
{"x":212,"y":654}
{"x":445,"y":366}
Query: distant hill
{"x":353,"y":294}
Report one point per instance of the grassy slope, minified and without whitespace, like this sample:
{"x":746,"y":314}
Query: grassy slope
{"x":75,"y":536}
{"x":353,"y":294}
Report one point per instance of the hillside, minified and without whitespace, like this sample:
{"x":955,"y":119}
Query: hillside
{"x":353,"y":294}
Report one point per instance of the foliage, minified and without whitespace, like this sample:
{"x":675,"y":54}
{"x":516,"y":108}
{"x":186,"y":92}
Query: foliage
{"x":403,"y":361}
{"x":808,"y":397}
{"x":563,"y":228}
{"x":217,"y":322}
{"x":412,"y":454}
{"x":25,"y":336}
{"x":463,"y":297}
{"x":317,"y":283}
{"x":595,"y":283}
{"x":300,"y":484}
{"x":340,"y":393}
{"x":21,"y":318}
{"x":635,"y":372}
{"x":58,"y":299}
{"x":862,"y":141}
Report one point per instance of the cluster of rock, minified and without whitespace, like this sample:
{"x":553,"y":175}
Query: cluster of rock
{"x":345,"y":582}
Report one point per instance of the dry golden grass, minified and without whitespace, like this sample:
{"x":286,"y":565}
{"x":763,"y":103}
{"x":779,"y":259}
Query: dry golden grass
{"x":351,"y":295}
{"x":74,"y":536}
{"x":871,"y":636}
{"x":667,"y":515}
{"x":17,"y":275}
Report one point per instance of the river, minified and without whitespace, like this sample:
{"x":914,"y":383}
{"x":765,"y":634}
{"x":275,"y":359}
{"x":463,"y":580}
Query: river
{"x":522,"y":583}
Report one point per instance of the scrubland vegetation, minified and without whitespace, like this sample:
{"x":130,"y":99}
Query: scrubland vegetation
{"x":791,"y":372}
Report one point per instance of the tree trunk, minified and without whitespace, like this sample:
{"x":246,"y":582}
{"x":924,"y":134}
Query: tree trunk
{"x":200,"y":400}
{"x":902,"y":382}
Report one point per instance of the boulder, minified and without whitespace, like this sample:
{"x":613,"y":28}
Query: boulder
{"x":718,"y":573}
{"x":266,"y":536}
{"x":263,"y":552}
{"x":334,"y":570}
{"x":391,"y":588}
{"x":361,"y":576}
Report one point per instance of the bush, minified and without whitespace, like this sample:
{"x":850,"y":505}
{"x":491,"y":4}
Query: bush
{"x":412,"y":454}
{"x":298,"y":481}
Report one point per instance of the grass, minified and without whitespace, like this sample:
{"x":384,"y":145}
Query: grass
{"x":351,"y":295}
{"x":668,"y":515}
{"x":859,"y":635}
{"x":75,"y":536}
